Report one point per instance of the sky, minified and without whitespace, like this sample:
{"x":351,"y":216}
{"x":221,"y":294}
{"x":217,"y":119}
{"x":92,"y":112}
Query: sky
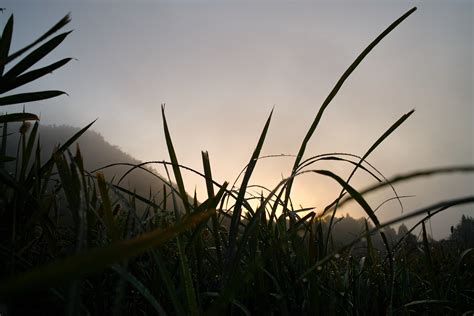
{"x":222,"y":66}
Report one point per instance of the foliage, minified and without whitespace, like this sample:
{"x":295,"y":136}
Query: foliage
{"x":463,"y":233}
{"x":232,"y":253}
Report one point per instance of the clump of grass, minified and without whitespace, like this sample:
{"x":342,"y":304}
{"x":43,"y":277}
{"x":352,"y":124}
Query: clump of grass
{"x":232,"y":253}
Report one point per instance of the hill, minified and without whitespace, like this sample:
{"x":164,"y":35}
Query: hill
{"x":97,"y":153}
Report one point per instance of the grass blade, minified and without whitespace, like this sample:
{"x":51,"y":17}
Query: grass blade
{"x":48,"y":165}
{"x":175,"y":164}
{"x":5,"y":43}
{"x":18,"y":117}
{"x":335,"y":90}
{"x":95,"y":260}
{"x":35,"y":56}
{"x":234,"y":225}
{"x":65,"y":20}
{"x":30,"y":97}
{"x":9,"y":84}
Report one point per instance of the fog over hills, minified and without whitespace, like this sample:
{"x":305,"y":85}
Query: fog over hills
{"x":97,"y":152}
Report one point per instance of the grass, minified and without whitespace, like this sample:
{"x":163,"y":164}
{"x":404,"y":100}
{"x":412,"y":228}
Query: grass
{"x":232,"y":253}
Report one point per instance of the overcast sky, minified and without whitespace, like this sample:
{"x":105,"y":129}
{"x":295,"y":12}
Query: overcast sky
{"x":221,"y":67}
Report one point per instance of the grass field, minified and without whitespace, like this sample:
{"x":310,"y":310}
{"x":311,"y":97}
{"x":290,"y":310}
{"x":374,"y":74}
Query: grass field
{"x":229,"y":253}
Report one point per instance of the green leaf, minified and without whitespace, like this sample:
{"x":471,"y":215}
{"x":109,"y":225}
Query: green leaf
{"x":335,"y":90}
{"x":175,"y":164}
{"x":5,"y":43}
{"x":12,"y":83}
{"x":65,"y":20}
{"x":210,"y":193}
{"x":30,"y":97}
{"x":234,"y":225}
{"x":35,"y":56}
{"x":18,"y":117}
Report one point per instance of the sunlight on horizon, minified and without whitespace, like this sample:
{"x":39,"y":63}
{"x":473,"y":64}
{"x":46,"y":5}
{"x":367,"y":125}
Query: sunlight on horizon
{"x":221,"y":68}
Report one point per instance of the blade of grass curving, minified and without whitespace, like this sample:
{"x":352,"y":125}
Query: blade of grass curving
{"x":175,"y":164}
{"x":361,"y":201}
{"x":334,"y":91}
{"x":234,"y":225}
{"x":35,"y":56}
{"x":408,"y":176}
{"x":65,"y":20}
{"x":26,"y":154}
{"x":5,"y":42}
{"x":94,"y":260}
{"x":352,"y":192}
{"x":29,"y":97}
{"x":371,"y":149}
{"x":7,"y":84}
{"x":18,"y":117}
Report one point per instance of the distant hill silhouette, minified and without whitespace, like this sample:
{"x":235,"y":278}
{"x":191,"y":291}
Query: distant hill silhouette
{"x":97,"y":153}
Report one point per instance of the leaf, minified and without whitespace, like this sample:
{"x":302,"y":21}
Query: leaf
{"x":65,"y":20}
{"x":35,"y":56}
{"x":50,"y":162}
{"x":107,"y":208}
{"x":18,"y":117}
{"x":234,"y":225}
{"x":94,"y":260}
{"x":175,"y":164}
{"x":335,"y":90}
{"x":6,"y":158}
{"x":30,"y":97}
{"x":5,"y":42}
{"x":10,"y":84}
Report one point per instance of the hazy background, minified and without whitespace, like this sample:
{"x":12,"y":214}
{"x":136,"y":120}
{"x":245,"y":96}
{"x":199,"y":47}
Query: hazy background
{"x":221,"y":66}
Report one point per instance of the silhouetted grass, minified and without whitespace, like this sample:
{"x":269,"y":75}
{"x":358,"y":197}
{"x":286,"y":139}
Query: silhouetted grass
{"x":124,"y":253}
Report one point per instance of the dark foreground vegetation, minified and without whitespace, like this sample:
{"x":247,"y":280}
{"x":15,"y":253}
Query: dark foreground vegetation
{"x":76,"y":242}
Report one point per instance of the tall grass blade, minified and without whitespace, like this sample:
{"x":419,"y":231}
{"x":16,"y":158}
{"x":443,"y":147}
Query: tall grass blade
{"x":94,"y":260}
{"x":409,"y":176}
{"x":335,"y":90}
{"x":35,"y":56}
{"x":29,"y":97}
{"x":7,"y":84}
{"x":175,"y":164}
{"x":107,"y":208}
{"x":18,"y":117}
{"x":65,"y":20}
{"x":429,"y":262}
{"x":234,"y":225}
{"x":5,"y":43}
{"x":210,"y":194}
